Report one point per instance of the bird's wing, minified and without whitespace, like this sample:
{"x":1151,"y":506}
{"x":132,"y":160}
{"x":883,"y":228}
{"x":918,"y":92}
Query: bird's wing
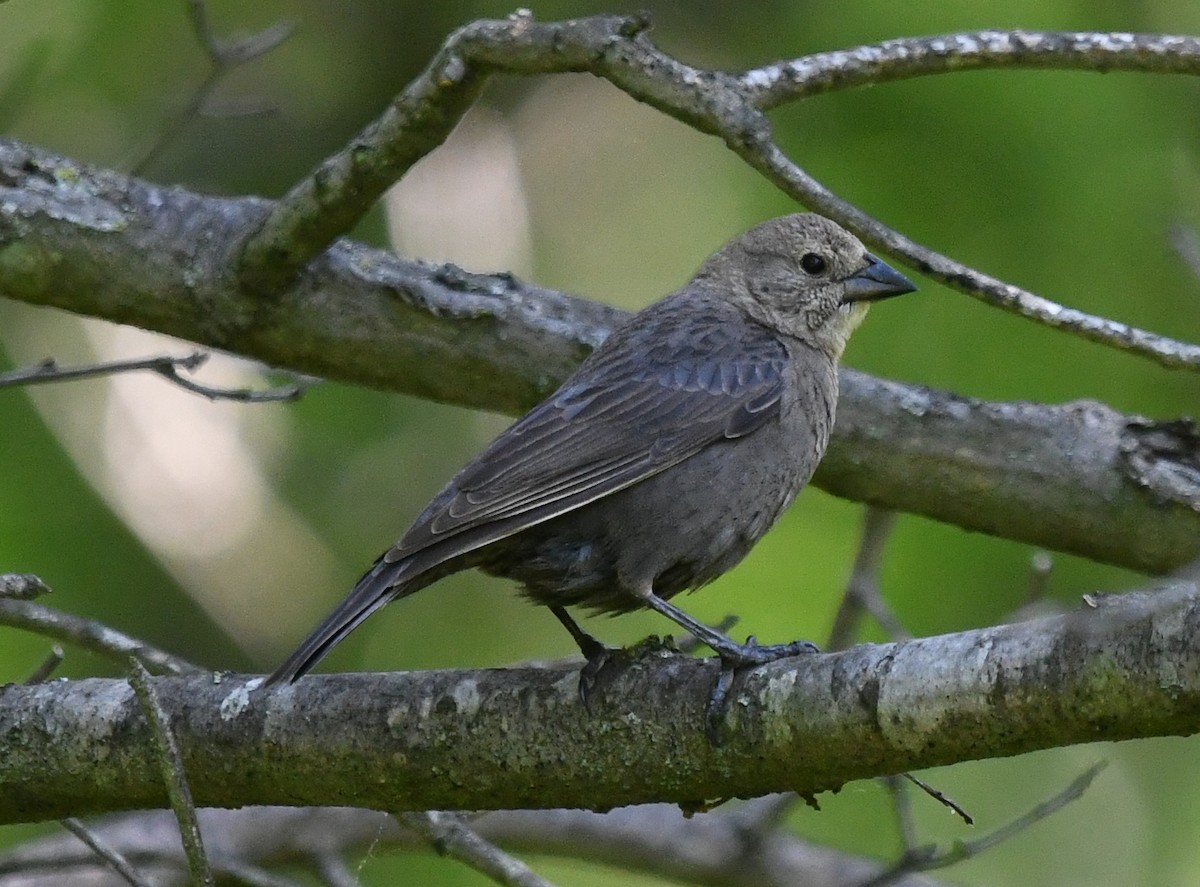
{"x":646,"y":400}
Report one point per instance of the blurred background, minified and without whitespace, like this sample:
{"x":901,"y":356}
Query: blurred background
{"x":223,"y":532}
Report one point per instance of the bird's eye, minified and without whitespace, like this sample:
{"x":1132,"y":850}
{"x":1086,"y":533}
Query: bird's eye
{"x":813,"y":263}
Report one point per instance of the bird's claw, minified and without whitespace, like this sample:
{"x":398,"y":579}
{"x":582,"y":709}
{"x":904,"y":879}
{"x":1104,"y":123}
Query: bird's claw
{"x":753,"y":653}
{"x":734,"y":661}
{"x":597,"y":657}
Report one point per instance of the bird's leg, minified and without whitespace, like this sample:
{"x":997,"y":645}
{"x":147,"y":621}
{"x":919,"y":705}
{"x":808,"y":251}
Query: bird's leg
{"x":734,"y":657}
{"x":596,"y":654}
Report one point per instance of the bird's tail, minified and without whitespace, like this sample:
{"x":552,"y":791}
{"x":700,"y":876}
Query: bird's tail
{"x":379,"y":585}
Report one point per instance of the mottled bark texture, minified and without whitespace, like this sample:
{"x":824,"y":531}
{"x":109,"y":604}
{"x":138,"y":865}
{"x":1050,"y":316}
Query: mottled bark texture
{"x":1079,"y":478}
{"x":1127,"y":666}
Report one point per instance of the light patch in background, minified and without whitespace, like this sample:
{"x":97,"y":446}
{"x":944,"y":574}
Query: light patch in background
{"x":187,"y":475}
{"x":627,"y":202}
{"x":465,"y":202}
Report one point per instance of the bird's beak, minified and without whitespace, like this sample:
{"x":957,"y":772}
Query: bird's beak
{"x":878,"y":280}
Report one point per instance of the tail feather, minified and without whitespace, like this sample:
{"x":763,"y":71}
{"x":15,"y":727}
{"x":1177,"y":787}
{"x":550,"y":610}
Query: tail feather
{"x":375,"y":589}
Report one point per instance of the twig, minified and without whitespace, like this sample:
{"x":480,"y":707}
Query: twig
{"x":862,"y":590}
{"x":930,"y":858}
{"x":21,"y":586}
{"x":760,"y":815}
{"x":1040,"y":566}
{"x":165,"y":366}
{"x":902,"y":805}
{"x":90,"y":635}
{"x":336,"y":194}
{"x":171,"y":763}
{"x":251,"y":875}
{"x":653,"y":840}
{"x":223,"y":55}
{"x":770,"y":161}
{"x":863,"y":595}
{"x":941,"y":797}
{"x":101,"y":848}
{"x":452,"y":837}
{"x":52,"y":661}
{"x":900,"y":59}
{"x":1186,"y":243}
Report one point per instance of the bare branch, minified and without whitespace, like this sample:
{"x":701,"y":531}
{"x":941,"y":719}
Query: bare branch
{"x":167,"y":367}
{"x":772,"y":163}
{"x":170,"y":763}
{"x":225,"y":53}
{"x":90,"y":635}
{"x":862,"y":591}
{"x":52,"y":661}
{"x":224,"y":56}
{"x":929,"y":858}
{"x":809,"y":724}
{"x":111,"y":857}
{"x":941,"y":797}
{"x":1186,"y":243}
{"x":21,"y":586}
{"x":452,"y":837}
{"x":1041,"y":564}
{"x":774,"y":85}
{"x":902,"y":805}
{"x":1080,"y":477}
{"x":328,"y":202}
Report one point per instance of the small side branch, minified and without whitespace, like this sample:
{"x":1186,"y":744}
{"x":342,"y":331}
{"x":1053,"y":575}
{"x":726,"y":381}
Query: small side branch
{"x":21,"y":586}
{"x":452,"y":837}
{"x":111,"y":857}
{"x":224,"y":56}
{"x":774,"y":85}
{"x":90,"y":635}
{"x":328,"y":202}
{"x":166,"y":366}
{"x":928,"y":858}
{"x":171,"y":764}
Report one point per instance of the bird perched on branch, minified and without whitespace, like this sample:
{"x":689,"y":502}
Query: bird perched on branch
{"x":664,"y":458}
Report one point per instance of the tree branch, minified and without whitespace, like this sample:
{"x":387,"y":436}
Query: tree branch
{"x":165,"y":366}
{"x":707,"y":849}
{"x":1130,"y":667}
{"x":328,"y":202}
{"x":89,"y":635}
{"x":102,"y":244}
{"x":774,"y":85}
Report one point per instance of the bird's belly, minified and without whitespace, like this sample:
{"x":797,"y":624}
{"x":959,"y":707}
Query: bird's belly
{"x":674,"y":531}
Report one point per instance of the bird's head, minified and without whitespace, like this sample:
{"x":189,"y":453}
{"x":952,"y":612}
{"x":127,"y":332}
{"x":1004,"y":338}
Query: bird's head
{"x":804,"y":276}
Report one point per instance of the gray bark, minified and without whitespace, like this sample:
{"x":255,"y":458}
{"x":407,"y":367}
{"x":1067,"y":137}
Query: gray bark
{"x":1078,"y":478}
{"x":1127,"y":667}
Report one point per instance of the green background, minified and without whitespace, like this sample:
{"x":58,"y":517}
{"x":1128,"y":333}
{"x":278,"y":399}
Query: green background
{"x":1065,"y":183}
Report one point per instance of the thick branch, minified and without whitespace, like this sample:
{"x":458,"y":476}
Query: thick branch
{"x":1080,"y":478}
{"x":1128,"y":668}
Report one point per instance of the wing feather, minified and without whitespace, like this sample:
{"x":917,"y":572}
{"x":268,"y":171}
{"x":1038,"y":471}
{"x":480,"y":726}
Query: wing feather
{"x":645,"y":400}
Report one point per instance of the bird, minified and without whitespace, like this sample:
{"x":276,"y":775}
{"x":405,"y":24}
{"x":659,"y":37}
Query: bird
{"x":661,"y":461}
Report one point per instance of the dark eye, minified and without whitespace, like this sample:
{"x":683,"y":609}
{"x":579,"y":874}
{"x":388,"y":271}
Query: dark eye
{"x":813,"y":263}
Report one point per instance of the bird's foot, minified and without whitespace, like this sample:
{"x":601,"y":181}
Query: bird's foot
{"x":597,"y":656}
{"x":736,"y":659}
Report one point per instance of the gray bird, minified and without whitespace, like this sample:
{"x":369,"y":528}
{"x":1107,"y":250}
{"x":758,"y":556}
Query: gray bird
{"x":664,"y":458}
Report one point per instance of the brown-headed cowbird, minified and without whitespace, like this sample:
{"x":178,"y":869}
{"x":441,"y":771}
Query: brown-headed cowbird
{"x":664,"y":458}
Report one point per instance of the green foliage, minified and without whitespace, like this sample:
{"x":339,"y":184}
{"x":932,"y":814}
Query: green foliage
{"x":1065,"y":183}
